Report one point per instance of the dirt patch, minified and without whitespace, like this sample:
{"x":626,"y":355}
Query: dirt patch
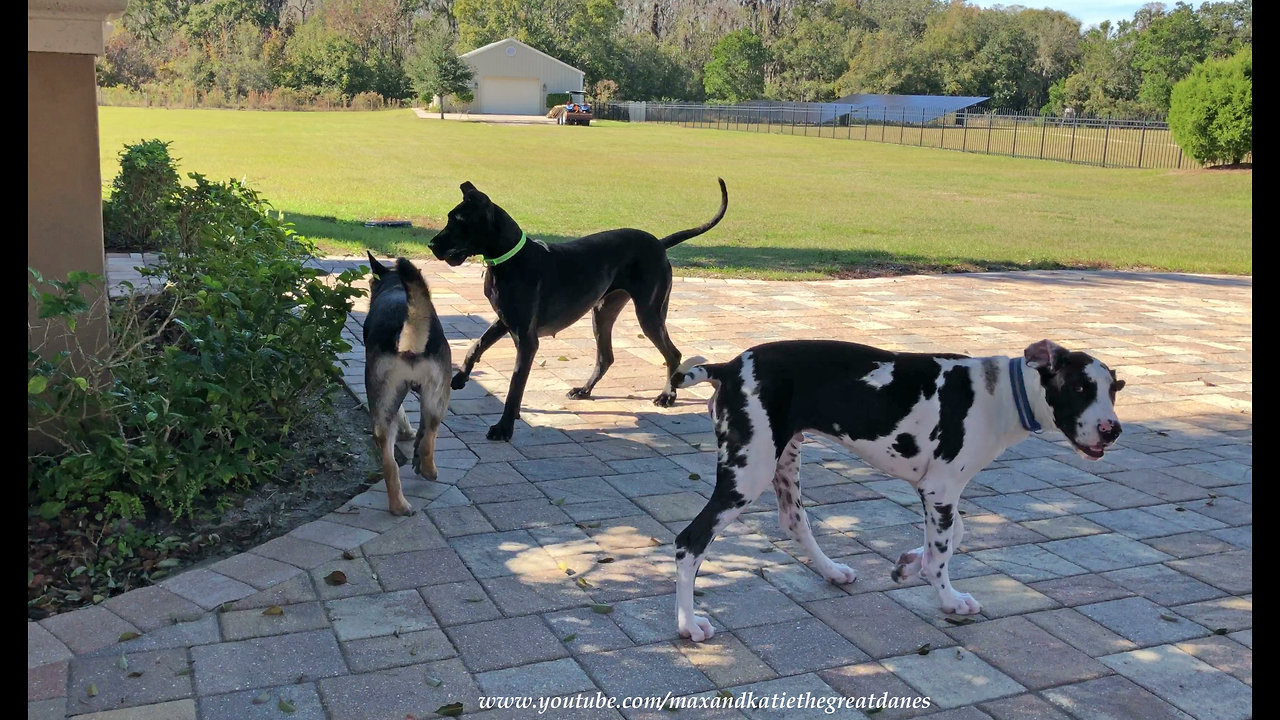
{"x":73,"y":565}
{"x":1243,"y":166}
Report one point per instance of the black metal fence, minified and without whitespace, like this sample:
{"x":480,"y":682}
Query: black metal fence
{"x":1105,"y":142}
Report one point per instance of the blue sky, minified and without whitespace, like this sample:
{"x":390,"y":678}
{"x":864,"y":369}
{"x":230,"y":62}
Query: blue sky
{"x":1088,"y":12}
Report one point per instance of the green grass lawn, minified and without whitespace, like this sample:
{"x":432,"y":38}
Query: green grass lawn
{"x":798,"y":206}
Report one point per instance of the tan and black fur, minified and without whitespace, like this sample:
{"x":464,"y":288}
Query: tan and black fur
{"x":405,"y":349}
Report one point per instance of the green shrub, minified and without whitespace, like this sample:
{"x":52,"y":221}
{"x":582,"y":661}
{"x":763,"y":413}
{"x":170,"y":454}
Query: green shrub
{"x":136,"y":217}
{"x":202,"y":381}
{"x":554,"y":99}
{"x":1211,"y":112}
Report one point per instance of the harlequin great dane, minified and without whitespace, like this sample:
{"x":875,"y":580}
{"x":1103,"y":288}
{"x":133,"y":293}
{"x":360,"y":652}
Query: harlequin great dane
{"x":932,"y":420}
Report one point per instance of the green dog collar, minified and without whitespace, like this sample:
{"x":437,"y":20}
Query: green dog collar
{"x":505,"y":256}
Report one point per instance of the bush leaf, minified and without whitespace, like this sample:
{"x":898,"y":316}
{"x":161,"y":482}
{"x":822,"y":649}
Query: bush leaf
{"x":337,"y":577}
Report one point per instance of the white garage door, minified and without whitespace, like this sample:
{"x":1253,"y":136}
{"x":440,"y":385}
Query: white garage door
{"x":511,"y":96}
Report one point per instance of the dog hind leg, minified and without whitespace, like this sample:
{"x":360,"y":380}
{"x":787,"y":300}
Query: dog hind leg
{"x":385,"y":401}
{"x":736,"y":487}
{"x":792,"y":517}
{"x":653,"y":321}
{"x":602,"y":319}
{"x":424,"y":455}
{"x":402,"y":422}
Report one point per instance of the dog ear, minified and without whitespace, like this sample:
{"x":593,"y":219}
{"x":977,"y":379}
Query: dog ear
{"x":378,"y":268}
{"x":469,"y":192}
{"x":1118,"y":386}
{"x":1045,"y":355}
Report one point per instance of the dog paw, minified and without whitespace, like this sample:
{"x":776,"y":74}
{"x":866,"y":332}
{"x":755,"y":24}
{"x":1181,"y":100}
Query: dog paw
{"x":908,"y":565}
{"x":459,"y":381}
{"x":666,"y":399}
{"x":839,"y":574}
{"x":500,"y":432}
{"x":579,"y":393}
{"x":426,"y":472}
{"x":697,"y":629}
{"x":399,"y":506}
{"x":961,"y":604}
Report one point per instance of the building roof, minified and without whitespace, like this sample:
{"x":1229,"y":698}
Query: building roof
{"x":930,"y":106}
{"x":513,"y":41}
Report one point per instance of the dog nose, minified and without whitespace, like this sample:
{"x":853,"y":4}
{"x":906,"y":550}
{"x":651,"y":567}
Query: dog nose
{"x":1109,"y":430}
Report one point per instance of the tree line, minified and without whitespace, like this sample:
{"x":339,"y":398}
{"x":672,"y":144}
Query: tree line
{"x":696,"y":50}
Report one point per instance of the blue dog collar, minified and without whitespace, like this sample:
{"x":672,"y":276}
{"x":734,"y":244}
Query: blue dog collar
{"x":1020,"y":399}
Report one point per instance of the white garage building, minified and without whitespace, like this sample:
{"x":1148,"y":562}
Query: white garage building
{"x":513,"y":78}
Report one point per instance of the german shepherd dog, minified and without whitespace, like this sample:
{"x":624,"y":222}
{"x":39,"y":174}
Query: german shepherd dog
{"x":405,"y":349}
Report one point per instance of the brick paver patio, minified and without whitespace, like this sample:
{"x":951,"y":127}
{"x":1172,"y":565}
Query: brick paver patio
{"x":1114,"y":589}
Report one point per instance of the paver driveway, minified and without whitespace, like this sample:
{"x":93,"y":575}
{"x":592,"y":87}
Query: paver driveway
{"x":1114,"y":589}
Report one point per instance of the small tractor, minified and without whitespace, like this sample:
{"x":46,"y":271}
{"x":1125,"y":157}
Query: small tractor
{"x":577,"y":111}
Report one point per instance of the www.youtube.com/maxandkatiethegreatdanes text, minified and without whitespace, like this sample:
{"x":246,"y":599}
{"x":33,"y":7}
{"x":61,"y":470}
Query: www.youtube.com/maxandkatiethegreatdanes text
{"x":828,"y":704}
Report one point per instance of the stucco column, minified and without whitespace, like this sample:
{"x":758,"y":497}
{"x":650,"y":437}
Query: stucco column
{"x":64,"y":184}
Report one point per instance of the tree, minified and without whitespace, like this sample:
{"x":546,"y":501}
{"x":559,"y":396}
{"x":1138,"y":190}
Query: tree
{"x":437,"y":70}
{"x":1211,"y":115}
{"x":736,"y":70}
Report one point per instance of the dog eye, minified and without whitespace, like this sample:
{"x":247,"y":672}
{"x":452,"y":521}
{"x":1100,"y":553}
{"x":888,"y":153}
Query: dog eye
{"x":1080,"y":388}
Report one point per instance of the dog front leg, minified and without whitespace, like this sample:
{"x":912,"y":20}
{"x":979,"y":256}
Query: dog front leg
{"x":941,"y":504}
{"x":526,"y":349}
{"x":483,"y":343}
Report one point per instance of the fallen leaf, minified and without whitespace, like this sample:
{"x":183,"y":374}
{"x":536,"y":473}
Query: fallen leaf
{"x":583,"y":582}
{"x":1168,"y":618}
{"x":129,"y":635}
{"x":348,"y":555}
{"x":695,"y":477}
{"x":123,"y":662}
{"x":562,"y":358}
{"x":768,"y":549}
{"x":593,"y":524}
{"x":601,"y":608}
{"x":183,"y":671}
{"x":474,"y":600}
{"x":226,"y":607}
{"x":699,"y":593}
{"x":135,"y":674}
{"x":569,"y":638}
{"x":558,"y":502}
{"x":1180,"y":509}
{"x":273,"y":610}
{"x":1220,"y":631}
{"x":93,"y":690}
{"x":337,"y":577}
{"x":450,"y":710}
{"x":604,"y":560}
{"x":413,"y":651}
{"x":434,"y":681}
{"x":1162,"y":433}
{"x":959,"y":620}
{"x":924,"y":649}
{"x":654,"y":541}
{"x":262,"y":698}
{"x":285,"y":706}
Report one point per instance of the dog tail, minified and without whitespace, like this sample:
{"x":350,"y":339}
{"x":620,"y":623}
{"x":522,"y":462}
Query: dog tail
{"x":421,"y":318}
{"x":415,"y":286}
{"x":695,"y":370}
{"x":678,"y":237}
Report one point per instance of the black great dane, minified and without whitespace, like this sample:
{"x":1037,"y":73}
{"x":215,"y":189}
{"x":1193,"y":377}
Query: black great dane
{"x":538,"y":289}
{"x":932,"y":420}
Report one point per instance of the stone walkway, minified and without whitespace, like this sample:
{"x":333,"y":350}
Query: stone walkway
{"x":1115,"y":589}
